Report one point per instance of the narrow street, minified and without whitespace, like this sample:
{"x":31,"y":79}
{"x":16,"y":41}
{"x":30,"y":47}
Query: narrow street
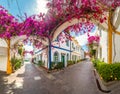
{"x":75,"y":79}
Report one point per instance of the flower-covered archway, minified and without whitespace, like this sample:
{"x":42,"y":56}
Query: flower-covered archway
{"x":60,"y":12}
{"x":72,"y":23}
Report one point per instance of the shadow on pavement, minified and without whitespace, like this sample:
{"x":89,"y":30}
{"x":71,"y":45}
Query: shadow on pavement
{"x":6,"y":88}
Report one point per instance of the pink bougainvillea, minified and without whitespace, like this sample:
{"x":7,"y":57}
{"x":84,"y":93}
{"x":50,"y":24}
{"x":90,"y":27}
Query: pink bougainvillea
{"x":8,"y":24}
{"x":59,"y":11}
{"x":93,"y":39}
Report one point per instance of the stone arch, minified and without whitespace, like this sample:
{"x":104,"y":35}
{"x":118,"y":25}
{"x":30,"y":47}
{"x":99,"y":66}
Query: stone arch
{"x":73,"y":21}
{"x":3,"y":43}
{"x":16,"y":39}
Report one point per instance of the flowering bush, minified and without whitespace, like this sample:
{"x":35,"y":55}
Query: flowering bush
{"x":93,"y":39}
{"x":108,"y":72}
{"x":8,"y":24}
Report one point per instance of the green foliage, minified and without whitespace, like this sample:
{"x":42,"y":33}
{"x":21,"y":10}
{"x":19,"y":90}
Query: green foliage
{"x":79,"y":60}
{"x":53,"y":65}
{"x":59,"y":65}
{"x":40,"y":63}
{"x":16,"y":63}
{"x":92,"y":52}
{"x":20,"y":50}
{"x":70,"y":62}
{"x":109,"y":72}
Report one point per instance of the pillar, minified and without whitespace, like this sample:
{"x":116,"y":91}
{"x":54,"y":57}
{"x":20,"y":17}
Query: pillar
{"x":9,"y":66}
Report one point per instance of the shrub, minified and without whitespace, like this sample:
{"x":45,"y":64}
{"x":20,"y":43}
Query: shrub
{"x":70,"y":62}
{"x":20,"y":50}
{"x":74,"y":62}
{"x":59,"y":65}
{"x":40,"y":63}
{"x":79,"y":61}
{"x":53,"y":65}
{"x":108,"y":72}
{"x":16,"y":63}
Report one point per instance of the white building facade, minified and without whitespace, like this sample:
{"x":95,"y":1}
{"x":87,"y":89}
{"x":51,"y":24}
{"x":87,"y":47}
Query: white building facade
{"x":3,"y":55}
{"x":62,"y":50}
{"x":103,"y":48}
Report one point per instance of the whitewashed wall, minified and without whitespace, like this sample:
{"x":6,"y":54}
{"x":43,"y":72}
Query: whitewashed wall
{"x":104,"y":48}
{"x":61,"y":49}
{"x":3,"y":63}
{"x":3,"y":55}
{"x":116,"y":52}
{"x":44,"y":57}
{"x":103,"y":45}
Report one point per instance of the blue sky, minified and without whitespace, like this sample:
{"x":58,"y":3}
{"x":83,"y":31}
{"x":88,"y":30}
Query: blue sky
{"x":82,"y":39}
{"x":25,"y":6}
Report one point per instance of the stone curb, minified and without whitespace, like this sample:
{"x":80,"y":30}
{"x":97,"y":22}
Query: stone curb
{"x":100,"y":84}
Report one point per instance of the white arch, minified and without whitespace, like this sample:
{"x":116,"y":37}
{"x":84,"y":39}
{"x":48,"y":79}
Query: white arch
{"x":116,"y":17}
{"x":3,"y":43}
{"x":72,"y":22}
{"x":15,"y":39}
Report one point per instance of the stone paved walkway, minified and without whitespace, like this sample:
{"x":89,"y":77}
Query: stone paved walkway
{"x":76,"y":79}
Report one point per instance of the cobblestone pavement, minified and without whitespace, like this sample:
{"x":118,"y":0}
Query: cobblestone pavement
{"x":75,"y":79}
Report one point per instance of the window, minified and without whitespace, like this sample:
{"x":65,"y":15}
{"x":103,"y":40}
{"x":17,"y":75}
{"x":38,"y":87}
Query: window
{"x":41,"y":57}
{"x":67,"y":56}
{"x":56,"y":55}
{"x":67,"y":43}
{"x":73,"y":46}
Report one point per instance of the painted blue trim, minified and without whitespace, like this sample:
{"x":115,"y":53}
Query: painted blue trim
{"x":40,"y":50}
{"x":62,"y":48}
{"x":50,"y":63}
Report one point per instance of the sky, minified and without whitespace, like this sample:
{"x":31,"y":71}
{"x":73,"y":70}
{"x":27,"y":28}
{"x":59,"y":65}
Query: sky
{"x":19,"y":7}
{"x":82,"y":39}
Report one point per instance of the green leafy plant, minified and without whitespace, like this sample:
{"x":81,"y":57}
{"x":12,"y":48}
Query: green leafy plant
{"x":70,"y":62}
{"x":20,"y":51}
{"x":16,"y":63}
{"x":40,"y":63}
{"x":109,"y":72}
{"x":60,"y":65}
{"x":53,"y":65}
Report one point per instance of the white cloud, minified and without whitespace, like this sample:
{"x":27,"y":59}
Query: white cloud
{"x":28,"y":48}
{"x":82,"y":39}
{"x":41,"y":6}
